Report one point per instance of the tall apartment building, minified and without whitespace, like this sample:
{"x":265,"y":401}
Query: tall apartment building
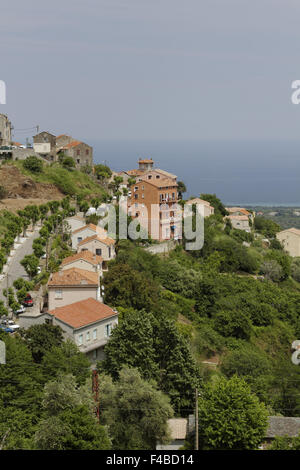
{"x":154,"y":201}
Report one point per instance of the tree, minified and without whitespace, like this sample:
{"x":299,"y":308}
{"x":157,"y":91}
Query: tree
{"x":215,"y":202}
{"x":181,"y":188}
{"x":66,"y":359}
{"x":157,"y":349}
{"x":230,"y":416}
{"x":33,"y":164}
{"x":272,"y":270}
{"x":135,"y":412}
{"x":70,"y":423}
{"x":295,"y":269}
{"x":30,"y":264}
{"x":232,"y":323}
{"x":42,"y":338}
{"x":102,"y":171}
{"x":132,"y":345}
{"x":266,"y":227}
{"x":126,"y":287}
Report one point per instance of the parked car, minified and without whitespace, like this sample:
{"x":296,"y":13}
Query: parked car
{"x":39,"y":270}
{"x":22,"y":309}
{"x":44,"y":256}
{"x":6,"y":329}
{"x":28,"y":302}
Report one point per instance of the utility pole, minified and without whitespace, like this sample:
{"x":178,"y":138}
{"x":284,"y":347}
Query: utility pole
{"x":196,"y":421}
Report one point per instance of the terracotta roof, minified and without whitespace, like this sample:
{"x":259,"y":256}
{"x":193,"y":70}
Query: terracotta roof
{"x":82,"y":313}
{"x":134,"y":172}
{"x":238,"y":209}
{"x":74,"y":277}
{"x":93,"y":227}
{"x":146,"y":160}
{"x":106,"y":241}
{"x":197,"y":200}
{"x":159,"y":183}
{"x":178,"y":427}
{"x":73,"y":144}
{"x":62,"y":135}
{"x":85,"y":255}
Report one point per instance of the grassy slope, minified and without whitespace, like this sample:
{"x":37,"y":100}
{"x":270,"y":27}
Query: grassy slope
{"x":71,"y":182}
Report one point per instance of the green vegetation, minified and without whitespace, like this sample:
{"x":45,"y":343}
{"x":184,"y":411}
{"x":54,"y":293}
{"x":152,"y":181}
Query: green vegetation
{"x":71,"y":183}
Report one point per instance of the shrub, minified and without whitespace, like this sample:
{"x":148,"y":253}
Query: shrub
{"x":33,"y":164}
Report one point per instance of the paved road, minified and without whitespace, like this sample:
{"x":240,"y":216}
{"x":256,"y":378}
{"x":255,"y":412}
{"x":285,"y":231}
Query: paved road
{"x":15,"y":269}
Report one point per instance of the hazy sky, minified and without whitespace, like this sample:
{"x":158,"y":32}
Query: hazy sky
{"x":152,"y":69}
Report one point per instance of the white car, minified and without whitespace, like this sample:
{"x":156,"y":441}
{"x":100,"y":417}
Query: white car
{"x":39,"y":270}
{"x":22,"y":309}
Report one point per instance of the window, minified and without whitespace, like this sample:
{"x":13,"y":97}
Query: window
{"x":143,"y":187}
{"x":80,"y":339}
{"x":136,"y":196}
{"x":78,"y":160}
{"x":149,"y":177}
{"x":58,"y":294}
{"x":108,"y":330}
{"x":95,"y":333}
{"x":98,"y":251}
{"x":109,"y":252}
{"x":88,"y":336}
{"x":87,"y":151}
{"x":143,"y":196}
{"x":95,"y":354}
{"x":79,"y":239}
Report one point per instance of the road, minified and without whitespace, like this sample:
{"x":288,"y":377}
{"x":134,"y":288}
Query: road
{"x":15,"y":269}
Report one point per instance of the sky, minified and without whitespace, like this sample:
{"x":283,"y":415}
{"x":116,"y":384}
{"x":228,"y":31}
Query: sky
{"x":152,"y":69}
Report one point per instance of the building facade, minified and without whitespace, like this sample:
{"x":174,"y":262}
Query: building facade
{"x":72,"y":285}
{"x":290,"y":240}
{"x":88,"y":323}
{"x":5,"y":131}
{"x":44,"y":144}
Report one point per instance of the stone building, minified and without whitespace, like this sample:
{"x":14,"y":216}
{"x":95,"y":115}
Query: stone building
{"x":81,"y":152}
{"x":44,"y":144}
{"x":5,"y":131}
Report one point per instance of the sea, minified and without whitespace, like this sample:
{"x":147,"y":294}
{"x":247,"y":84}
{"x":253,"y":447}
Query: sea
{"x":240,"y":172}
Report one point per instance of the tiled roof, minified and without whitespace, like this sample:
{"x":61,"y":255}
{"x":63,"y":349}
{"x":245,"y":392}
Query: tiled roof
{"x":178,"y":427}
{"x":159,"y":183}
{"x":283,"y":426}
{"x":146,"y":160}
{"x":85,"y":255}
{"x":165,"y":173}
{"x":134,"y":172}
{"x":74,"y":277}
{"x":74,"y":143}
{"x":106,"y":241}
{"x":83,"y":313}
{"x":238,"y":209}
{"x":197,"y":200}
{"x":62,"y":135}
{"x":93,"y":227}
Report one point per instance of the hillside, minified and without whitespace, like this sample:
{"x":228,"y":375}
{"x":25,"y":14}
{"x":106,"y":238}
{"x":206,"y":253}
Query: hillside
{"x":53,"y":183}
